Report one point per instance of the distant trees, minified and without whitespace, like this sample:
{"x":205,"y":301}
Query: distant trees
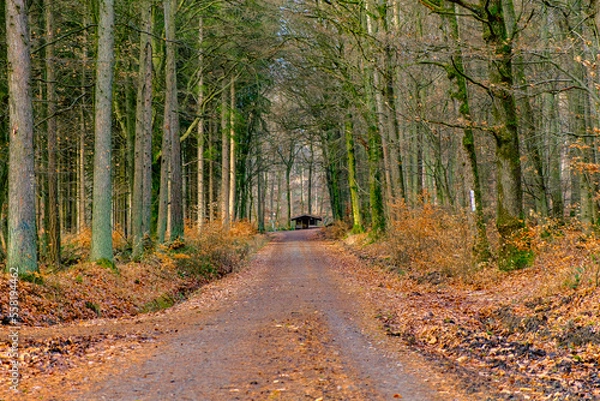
{"x":63,"y":179}
{"x":214,"y":111}
{"x":482,"y":88}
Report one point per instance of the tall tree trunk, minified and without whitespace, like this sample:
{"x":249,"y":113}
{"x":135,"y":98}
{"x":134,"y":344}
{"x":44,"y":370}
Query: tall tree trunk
{"x":143,"y":134}
{"x":527,"y":116}
{"x":509,"y":218}
{"x":200,"y":151}
{"x":224,"y":160}
{"x":381,"y":114}
{"x":310,"y":178}
{"x":260,"y":193}
{"x":332,"y":173}
{"x":378,"y":222}
{"x":556,"y":144}
{"x":22,"y":233}
{"x":175,"y":220}
{"x":232,"y":175}
{"x":481,"y":248}
{"x":102,"y":245}
{"x":288,"y":192}
{"x":53,"y":232}
{"x":391,"y":25}
{"x":211,"y":174}
{"x":352,"y":183}
{"x":163,"y":194}
{"x":81,"y":192}
{"x":374,"y":155}
{"x":83,"y":128}
{"x":581,"y":120}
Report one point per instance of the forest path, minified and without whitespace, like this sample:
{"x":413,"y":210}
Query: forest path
{"x":288,"y":327}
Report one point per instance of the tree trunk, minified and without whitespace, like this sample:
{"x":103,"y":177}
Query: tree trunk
{"x":22,"y":233}
{"x":481,"y":248}
{"x":527,"y":116}
{"x":391,"y":75}
{"x":211,"y":174}
{"x":224,"y":161}
{"x":163,"y":195}
{"x":143,"y":134}
{"x":352,"y":184}
{"x":332,"y":174}
{"x":374,"y":154}
{"x":53,"y":233}
{"x":288,"y":192}
{"x":310,"y":178}
{"x":509,"y":219}
{"x":232,"y":175}
{"x":82,"y":198}
{"x":381,"y":114}
{"x":102,"y":245}
{"x":200,"y":151}
{"x":176,"y":225}
{"x":260,"y":194}
{"x":581,"y":120}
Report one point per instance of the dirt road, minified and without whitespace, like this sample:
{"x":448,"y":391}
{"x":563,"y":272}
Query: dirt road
{"x":286,"y":328}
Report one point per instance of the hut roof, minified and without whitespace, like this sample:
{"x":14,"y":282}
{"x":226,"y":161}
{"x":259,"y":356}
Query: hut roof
{"x":304,"y":216}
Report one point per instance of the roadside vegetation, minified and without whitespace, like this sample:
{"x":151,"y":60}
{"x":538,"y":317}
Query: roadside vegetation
{"x":528,"y":333}
{"x":166,"y":275}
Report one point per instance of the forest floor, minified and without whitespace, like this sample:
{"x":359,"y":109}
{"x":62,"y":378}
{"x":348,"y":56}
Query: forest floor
{"x":289,"y":326}
{"x":530,"y":334}
{"x":312,"y":319}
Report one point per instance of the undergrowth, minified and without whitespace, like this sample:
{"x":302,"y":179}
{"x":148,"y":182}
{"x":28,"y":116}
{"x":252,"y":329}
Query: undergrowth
{"x":435,"y":245}
{"x":430,"y":239}
{"x":533,"y":327}
{"x":168,"y":274}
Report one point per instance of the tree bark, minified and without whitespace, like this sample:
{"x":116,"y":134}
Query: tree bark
{"x":481,"y":248}
{"x":527,"y":116}
{"x":53,"y":229}
{"x":352,"y":183}
{"x":82,"y":199}
{"x":224,"y":161}
{"x":381,"y":114}
{"x":200,"y":151}
{"x":509,"y":219}
{"x":176,"y":224}
{"x":232,"y":160}
{"x":22,"y":233}
{"x":102,"y":245}
{"x":143,"y":134}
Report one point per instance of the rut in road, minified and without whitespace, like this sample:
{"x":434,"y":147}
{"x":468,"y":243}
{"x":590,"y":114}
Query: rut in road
{"x":292,"y":334}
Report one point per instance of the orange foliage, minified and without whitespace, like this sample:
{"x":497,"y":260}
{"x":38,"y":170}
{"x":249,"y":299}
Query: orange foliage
{"x":431,"y":239}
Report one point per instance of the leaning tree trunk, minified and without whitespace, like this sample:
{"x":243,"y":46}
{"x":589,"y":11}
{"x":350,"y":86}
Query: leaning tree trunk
{"x":22,"y":235}
{"x":102,"y":245}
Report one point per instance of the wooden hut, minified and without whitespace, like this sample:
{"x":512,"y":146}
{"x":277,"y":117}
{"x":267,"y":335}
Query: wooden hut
{"x":306,"y":221}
